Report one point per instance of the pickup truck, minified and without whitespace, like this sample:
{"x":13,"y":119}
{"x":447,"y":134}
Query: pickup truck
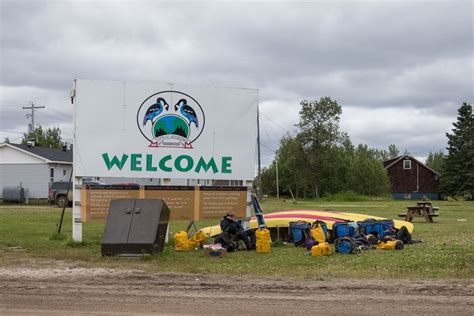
{"x":58,"y":190}
{"x":58,"y":194}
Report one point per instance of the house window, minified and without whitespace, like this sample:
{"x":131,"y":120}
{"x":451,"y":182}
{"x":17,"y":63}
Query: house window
{"x":51,"y":174}
{"x":406,"y":164}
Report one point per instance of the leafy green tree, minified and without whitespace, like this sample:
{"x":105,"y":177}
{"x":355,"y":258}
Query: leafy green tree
{"x":50,"y":137}
{"x":293,"y":174}
{"x":338,"y":161}
{"x":367,"y":175}
{"x":436,"y":161}
{"x":393,"y":151}
{"x":458,"y":172}
{"x":380,"y":154}
{"x":268,"y":176}
{"x":320,"y":160}
{"x":319,"y":132}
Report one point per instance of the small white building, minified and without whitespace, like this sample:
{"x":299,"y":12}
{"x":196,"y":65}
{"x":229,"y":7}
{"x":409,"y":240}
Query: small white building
{"x":33,"y":168}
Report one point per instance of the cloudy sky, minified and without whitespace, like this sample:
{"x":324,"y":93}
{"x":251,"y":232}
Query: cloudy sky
{"x":400,"y":69}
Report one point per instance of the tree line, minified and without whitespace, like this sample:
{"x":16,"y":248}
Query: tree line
{"x":320,"y":159}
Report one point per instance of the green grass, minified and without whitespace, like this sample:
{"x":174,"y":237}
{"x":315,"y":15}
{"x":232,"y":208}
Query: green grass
{"x":447,"y":251}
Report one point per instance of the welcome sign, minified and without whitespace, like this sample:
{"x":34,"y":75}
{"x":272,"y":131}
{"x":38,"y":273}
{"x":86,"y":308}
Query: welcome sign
{"x":153,"y":130}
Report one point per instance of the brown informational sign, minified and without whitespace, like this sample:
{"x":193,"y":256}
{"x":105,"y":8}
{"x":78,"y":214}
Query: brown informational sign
{"x":214,"y":202}
{"x":184,"y":202}
{"x":96,"y":200}
{"x":179,"y":199}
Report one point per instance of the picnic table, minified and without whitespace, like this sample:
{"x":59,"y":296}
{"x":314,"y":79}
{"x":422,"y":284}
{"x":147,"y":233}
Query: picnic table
{"x":422,"y":209}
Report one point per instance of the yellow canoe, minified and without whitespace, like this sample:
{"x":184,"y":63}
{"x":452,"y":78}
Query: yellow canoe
{"x":283,"y":218}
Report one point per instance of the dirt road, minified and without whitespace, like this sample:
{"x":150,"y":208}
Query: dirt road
{"x":60,"y":291}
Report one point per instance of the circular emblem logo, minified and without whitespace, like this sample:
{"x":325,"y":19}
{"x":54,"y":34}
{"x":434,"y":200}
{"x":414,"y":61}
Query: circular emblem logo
{"x":170,"y":119}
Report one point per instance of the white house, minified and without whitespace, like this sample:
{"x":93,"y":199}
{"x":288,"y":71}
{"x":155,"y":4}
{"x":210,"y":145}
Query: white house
{"x":33,"y":168}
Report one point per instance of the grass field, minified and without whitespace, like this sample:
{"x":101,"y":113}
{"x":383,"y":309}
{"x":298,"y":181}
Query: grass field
{"x":447,"y":250}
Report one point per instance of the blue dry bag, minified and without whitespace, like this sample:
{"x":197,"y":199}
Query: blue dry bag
{"x":378,"y":228}
{"x":297,"y":232}
{"x":346,"y":245}
{"x":344,"y":229}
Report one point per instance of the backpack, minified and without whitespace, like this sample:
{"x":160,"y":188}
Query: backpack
{"x":319,"y":231}
{"x":346,"y":245}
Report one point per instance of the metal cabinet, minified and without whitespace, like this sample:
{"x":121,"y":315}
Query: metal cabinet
{"x":135,"y":227}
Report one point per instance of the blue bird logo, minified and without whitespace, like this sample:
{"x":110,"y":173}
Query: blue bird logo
{"x":175,"y":126}
{"x":154,"y":110}
{"x":187,"y":111}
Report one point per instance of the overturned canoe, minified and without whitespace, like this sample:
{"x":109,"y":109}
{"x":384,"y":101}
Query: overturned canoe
{"x":283,"y":218}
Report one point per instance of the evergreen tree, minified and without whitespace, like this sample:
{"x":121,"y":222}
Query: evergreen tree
{"x":458,"y":172}
{"x":435,"y":161}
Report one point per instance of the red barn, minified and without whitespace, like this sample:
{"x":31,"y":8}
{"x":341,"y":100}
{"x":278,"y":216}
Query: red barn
{"x":411,"y":179}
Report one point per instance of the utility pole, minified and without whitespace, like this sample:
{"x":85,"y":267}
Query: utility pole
{"x":259,"y":177}
{"x":32,"y":107}
{"x":278,"y":189}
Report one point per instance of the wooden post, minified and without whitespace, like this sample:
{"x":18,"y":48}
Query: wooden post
{"x":197,"y":202}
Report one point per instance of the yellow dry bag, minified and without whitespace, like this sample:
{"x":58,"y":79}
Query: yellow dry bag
{"x":262,"y":240}
{"x":321,"y":249}
{"x":196,"y":240}
{"x":390,"y":245}
{"x":319,"y":231}
{"x":181,"y":242}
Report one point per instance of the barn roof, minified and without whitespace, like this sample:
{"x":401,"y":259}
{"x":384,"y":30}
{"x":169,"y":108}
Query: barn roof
{"x":389,"y":163}
{"x":50,"y":154}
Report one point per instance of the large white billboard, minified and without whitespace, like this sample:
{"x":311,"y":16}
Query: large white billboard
{"x":156,"y":130}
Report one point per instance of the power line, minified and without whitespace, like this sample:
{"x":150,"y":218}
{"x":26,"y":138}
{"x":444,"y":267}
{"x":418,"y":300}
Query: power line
{"x":268,"y":136}
{"x":5,"y":131}
{"x":275,"y":123}
{"x":14,"y":139}
{"x":56,"y":118}
{"x":14,"y":102}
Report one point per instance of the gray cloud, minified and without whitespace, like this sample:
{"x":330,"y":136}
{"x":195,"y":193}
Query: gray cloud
{"x":373,"y":57}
